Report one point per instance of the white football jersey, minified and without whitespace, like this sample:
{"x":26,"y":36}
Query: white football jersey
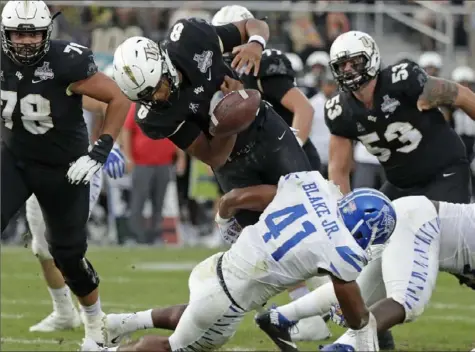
{"x":457,"y":243}
{"x":298,"y":236}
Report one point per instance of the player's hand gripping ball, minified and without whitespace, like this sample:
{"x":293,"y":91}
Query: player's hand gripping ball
{"x":234,"y":112}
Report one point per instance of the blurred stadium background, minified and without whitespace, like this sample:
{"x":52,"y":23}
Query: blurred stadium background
{"x":150,"y":268}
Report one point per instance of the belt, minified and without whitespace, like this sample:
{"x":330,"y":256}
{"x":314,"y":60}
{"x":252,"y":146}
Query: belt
{"x":222,"y":283}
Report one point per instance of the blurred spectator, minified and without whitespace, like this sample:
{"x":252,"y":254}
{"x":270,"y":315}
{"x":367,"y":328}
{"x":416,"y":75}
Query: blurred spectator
{"x":428,"y":17}
{"x":151,"y":164}
{"x":319,"y":134}
{"x":304,"y":35}
{"x":431,"y":62}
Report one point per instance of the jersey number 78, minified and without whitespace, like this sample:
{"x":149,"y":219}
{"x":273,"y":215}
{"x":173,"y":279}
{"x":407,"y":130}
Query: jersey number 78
{"x":290,"y":214}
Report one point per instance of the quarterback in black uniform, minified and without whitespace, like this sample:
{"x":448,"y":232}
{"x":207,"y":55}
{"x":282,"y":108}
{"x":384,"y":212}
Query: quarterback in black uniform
{"x":44,"y":139}
{"x":277,"y":83}
{"x":394,"y":113}
{"x":179,"y":81}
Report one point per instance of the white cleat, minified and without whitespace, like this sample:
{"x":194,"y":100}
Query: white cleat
{"x":55,"y":322}
{"x":116,"y":328}
{"x":310,"y":329}
{"x":89,"y":345}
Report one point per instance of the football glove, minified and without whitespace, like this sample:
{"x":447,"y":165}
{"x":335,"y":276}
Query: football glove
{"x":337,"y":316}
{"x":115,"y":163}
{"x":86,"y":166}
{"x":229,"y":228}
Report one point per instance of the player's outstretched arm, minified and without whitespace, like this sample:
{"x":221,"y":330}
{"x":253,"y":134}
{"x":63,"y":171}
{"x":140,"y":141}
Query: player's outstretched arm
{"x":438,"y":92}
{"x":104,"y":89}
{"x":255,"y":198}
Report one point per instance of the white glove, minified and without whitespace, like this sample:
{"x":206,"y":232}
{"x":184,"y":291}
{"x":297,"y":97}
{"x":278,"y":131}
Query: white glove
{"x":229,"y":228}
{"x":337,"y":316}
{"x":86,"y":166}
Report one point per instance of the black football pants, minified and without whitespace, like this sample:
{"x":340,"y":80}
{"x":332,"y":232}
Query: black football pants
{"x":275,"y":153}
{"x":453,"y":184}
{"x":65,"y":209}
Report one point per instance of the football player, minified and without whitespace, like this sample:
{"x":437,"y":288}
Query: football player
{"x":394,"y":112}
{"x":305,"y":230}
{"x":397,"y":284}
{"x":277,"y":83}
{"x":44,"y":149}
{"x":65,"y":314}
{"x":179,"y":81}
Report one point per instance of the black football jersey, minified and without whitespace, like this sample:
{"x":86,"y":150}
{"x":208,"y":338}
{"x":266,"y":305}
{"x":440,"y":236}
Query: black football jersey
{"x":195,"y":48}
{"x":411,"y":145}
{"x":42,"y":120}
{"x":275,"y":78}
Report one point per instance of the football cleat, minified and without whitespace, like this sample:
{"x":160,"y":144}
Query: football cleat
{"x":277,"y":327}
{"x":56,"y":322}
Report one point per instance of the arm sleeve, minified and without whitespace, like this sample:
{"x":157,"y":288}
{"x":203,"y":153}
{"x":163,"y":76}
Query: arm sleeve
{"x":229,"y":35}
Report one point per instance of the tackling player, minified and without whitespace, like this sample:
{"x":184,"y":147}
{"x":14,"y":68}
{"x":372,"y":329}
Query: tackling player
{"x":306,"y":229}
{"x":43,"y":132}
{"x":394,"y":112}
{"x":397,"y":284}
{"x":179,"y":81}
{"x":277,"y":83}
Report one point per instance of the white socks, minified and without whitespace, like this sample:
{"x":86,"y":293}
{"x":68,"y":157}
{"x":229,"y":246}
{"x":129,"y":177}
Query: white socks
{"x":317,"y":302}
{"x":138,"y":321}
{"x":62,"y":300}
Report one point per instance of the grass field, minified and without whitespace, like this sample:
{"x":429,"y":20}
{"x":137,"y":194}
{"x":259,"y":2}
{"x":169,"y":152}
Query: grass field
{"x":137,"y":279}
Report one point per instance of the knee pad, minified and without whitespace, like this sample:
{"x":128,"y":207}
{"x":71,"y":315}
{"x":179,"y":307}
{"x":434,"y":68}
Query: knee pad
{"x":37,"y":225}
{"x":77,"y":271}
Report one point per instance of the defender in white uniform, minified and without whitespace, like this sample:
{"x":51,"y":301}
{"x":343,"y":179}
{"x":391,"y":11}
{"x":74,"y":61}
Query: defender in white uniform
{"x":429,"y":237}
{"x":302,"y":232}
{"x":64,"y":315}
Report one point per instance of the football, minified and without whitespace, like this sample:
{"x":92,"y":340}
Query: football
{"x":234,"y":112}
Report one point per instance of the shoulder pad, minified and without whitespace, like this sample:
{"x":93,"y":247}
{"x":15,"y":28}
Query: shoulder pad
{"x":405,"y":74}
{"x":73,"y":62}
{"x":275,"y":63}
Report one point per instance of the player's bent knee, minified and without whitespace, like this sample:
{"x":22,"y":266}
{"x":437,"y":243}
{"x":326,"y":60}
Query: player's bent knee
{"x":413,"y":306}
{"x":77,"y":271}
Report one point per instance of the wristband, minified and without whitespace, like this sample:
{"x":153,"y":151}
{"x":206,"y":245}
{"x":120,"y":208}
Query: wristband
{"x":101,"y":149}
{"x":219,"y":220}
{"x":258,"y":39}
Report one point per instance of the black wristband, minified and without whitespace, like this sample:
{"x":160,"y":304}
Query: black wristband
{"x":101,"y":149}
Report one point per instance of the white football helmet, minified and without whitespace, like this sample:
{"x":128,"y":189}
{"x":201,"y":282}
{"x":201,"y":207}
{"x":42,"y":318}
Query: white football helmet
{"x":26,"y":16}
{"x":463,"y":74}
{"x":360,"y":48}
{"x":230,"y":13}
{"x":140,"y":65}
{"x":295,"y":61}
{"x":318,"y":58}
{"x":430,"y":59}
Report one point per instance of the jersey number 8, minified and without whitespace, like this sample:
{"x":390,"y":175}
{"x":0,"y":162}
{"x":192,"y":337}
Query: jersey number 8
{"x":35,"y":111}
{"x":290,"y":214}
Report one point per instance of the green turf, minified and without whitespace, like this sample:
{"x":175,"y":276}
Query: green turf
{"x":448,"y":324}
